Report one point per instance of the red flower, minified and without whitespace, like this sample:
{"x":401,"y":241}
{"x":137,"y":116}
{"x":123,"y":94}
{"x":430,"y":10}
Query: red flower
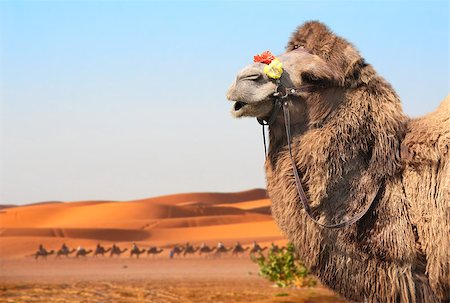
{"x":266,"y":57}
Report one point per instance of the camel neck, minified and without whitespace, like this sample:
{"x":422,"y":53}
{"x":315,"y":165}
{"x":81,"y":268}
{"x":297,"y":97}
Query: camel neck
{"x":277,"y":136}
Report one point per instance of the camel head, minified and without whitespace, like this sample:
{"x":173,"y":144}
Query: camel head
{"x":318,"y":62}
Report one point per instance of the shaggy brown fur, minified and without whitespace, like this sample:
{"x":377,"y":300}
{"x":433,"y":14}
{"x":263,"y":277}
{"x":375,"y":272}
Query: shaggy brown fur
{"x":353,"y":144}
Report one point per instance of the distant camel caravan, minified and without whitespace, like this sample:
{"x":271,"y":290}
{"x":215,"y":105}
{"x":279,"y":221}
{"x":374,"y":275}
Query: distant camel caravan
{"x":177,"y":250}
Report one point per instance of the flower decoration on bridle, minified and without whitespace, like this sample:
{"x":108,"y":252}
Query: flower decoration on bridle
{"x":273,"y":68}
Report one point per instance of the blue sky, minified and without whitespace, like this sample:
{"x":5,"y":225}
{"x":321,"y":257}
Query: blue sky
{"x":123,"y":100}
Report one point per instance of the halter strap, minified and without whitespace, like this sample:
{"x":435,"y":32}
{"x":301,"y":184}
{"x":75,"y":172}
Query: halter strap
{"x":270,"y":121}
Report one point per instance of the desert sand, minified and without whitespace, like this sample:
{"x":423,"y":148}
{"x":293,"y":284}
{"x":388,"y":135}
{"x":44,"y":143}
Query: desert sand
{"x":162,"y":221}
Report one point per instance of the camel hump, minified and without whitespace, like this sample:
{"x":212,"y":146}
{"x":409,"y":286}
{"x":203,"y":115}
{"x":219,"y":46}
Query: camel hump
{"x":428,"y":137}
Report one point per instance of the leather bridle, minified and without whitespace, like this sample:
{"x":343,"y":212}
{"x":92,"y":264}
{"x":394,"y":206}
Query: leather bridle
{"x":282,"y":101}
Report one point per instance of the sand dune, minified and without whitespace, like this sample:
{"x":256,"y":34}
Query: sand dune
{"x":167,"y":220}
{"x":210,"y":221}
{"x":76,"y":214}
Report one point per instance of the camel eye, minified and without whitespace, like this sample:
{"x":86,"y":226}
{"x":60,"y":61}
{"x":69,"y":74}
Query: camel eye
{"x":310,"y":79}
{"x":296,"y":46}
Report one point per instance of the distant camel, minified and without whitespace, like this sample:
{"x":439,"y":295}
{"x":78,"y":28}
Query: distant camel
{"x":175,"y":251}
{"x":82,"y":252}
{"x":189,"y":249}
{"x":64,"y":251}
{"x":275,"y":249}
{"x":153,"y":250}
{"x":136,"y":251}
{"x":257,"y":249}
{"x":100,"y":250}
{"x":43,"y":253}
{"x":115,"y":250}
{"x":205,"y":249}
{"x":238,"y":249}
{"x":221,"y":249}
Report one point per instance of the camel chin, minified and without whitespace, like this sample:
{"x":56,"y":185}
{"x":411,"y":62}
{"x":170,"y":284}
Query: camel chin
{"x":259,"y":109}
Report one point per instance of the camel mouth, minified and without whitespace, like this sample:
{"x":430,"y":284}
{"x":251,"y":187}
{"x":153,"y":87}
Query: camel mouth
{"x":242,"y":109}
{"x":239,"y":105}
{"x":252,"y":109}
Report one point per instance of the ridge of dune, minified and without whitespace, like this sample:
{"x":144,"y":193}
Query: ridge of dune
{"x":3,"y":206}
{"x":248,"y":205}
{"x":173,"y":199}
{"x":209,"y":198}
{"x":44,"y":203}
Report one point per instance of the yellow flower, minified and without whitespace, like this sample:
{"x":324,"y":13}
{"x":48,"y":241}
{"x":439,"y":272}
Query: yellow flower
{"x":274,"y":70}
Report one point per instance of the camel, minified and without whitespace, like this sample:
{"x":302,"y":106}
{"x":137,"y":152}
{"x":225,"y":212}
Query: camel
{"x":221,"y":249}
{"x":153,"y":250}
{"x":275,"y":249}
{"x":136,"y":251}
{"x":82,"y":252}
{"x":205,"y":249}
{"x":64,"y":251}
{"x":189,"y":249}
{"x":43,"y":253}
{"x":176,"y":250}
{"x":238,"y":249}
{"x":116,"y":251}
{"x":256,"y":248}
{"x":100,"y":250}
{"x":360,"y":189}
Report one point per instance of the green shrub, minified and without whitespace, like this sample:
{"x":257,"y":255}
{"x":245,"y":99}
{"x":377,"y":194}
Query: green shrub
{"x":284,"y":268}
